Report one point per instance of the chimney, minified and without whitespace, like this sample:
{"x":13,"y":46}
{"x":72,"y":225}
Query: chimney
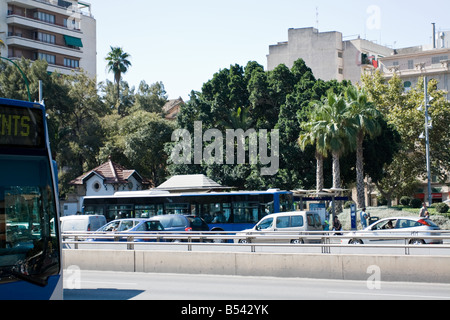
{"x":434,"y":35}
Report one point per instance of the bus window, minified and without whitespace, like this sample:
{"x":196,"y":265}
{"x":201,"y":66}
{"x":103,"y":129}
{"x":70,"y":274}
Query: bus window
{"x":286,"y":203}
{"x":148,"y":211}
{"x":177,"y":208}
{"x":245,"y":212}
{"x":216,"y":212}
{"x":94,"y":210}
{"x":119,"y":212}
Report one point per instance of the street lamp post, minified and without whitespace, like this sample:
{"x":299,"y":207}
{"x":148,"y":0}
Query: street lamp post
{"x":427,"y":139}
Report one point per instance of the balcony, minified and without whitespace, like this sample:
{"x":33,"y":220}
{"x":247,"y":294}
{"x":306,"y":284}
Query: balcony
{"x":22,"y":41}
{"x":29,"y":20}
{"x":57,"y":6}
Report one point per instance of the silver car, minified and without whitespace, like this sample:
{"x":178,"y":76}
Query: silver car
{"x":395,"y":230}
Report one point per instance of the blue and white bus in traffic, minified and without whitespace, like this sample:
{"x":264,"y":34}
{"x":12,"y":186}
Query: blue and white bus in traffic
{"x":30,"y":250}
{"x":223,"y":211}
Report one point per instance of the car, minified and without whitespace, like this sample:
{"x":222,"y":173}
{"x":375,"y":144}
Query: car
{"x":179,"y":222}
{"x":290,"y":223}
{"x":124,"y":226}
{"x":392,"y":230}
{"x":82,"y":223}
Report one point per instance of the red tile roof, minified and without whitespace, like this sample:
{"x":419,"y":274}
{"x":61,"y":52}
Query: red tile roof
{"x":111,"y":173}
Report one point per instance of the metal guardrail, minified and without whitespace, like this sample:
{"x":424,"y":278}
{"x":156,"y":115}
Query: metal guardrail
{"x":326,"y":240}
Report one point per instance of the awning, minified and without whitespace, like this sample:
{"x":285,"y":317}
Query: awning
{"x":72,"y":41}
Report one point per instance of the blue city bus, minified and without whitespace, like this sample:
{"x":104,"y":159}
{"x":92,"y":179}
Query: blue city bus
{"x":30,"y":250}
{"x":223,"y":211}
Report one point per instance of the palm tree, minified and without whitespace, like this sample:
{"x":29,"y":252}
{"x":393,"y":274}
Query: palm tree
{"x":339,"y":131}
{"x":314,"y":134}
{"x":365,"y":118}
{"x":118,"y":64}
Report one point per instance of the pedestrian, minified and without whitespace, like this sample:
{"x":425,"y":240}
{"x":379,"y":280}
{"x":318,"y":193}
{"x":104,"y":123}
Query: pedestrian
{"x":363,"y":216}
{"x":337,"y":226}
{"x":423,"y":213}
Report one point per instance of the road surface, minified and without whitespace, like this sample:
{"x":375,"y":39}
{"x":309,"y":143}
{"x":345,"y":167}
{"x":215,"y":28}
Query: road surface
{"x":104,"y":285}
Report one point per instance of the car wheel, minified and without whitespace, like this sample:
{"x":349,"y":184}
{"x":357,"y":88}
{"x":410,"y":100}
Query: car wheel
{"x":355,"y":241}
{"x":416,"y":241}
{"x":244,"y":241}
{"x":297,"y":241}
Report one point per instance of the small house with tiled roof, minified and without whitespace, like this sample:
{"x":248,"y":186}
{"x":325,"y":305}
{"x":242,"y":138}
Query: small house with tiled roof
{"x":104,"y":180}
{"x":172,"y":108}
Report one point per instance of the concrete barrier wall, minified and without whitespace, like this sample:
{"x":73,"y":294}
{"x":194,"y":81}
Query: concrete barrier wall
{"x":434,"y":269}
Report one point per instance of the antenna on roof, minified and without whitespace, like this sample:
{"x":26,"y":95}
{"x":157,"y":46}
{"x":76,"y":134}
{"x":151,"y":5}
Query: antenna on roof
{"x":317,"y":18}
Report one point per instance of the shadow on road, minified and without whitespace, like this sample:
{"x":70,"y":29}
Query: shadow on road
{"x":100,"y":294}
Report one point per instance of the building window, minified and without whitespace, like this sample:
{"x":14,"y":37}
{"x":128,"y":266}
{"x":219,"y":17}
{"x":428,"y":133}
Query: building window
{"x":438,"y":59}
{"x":45,"y":37}
{"x":72,"y":24}
{"x":45,"y":17}
{"x":71,"y":63}
{"x":410,"y":64}
{"x":51,"y":59}
{"x":341,"y":71}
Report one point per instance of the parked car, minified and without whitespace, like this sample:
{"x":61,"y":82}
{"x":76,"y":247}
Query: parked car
{"x":82,"y":223}
{"x":390,"y":229}
{"x":124,"y":226}
{"x":286,"y":223}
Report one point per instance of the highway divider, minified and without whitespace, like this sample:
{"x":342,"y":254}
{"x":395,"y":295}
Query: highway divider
{"x":410,"y":268}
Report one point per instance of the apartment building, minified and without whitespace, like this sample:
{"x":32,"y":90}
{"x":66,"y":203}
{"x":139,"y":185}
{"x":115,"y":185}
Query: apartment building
{"x":327,"y":54}
{"x":410,"y":64}
{"x":62,"y":32}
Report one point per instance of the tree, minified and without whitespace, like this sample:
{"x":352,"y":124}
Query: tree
{"x":77,"y":128}
{"x":314,"y":133}
{"x":118,"y":64}
{"x":365,"y":117}
{"x":151,"y":98}
{"x":401,"y":112}
{"x":138,"y":140}
{"x":334,"y":116}
{"x":127,"y":96}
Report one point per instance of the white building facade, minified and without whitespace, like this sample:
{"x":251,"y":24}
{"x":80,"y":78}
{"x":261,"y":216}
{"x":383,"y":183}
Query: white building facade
{"x":327,"y":54}
{"x":62,"y":32}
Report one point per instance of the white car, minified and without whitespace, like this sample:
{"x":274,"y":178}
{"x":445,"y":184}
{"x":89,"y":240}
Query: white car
{"x":394,"y":230}
{"x":282,"y":227}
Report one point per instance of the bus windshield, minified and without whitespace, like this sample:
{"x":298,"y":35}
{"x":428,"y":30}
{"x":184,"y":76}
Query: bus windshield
{"x":29,"y":247}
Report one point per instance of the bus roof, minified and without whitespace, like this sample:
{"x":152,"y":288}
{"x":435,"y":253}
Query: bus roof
{"x":20,"y":103}
{"x":161,"y":193}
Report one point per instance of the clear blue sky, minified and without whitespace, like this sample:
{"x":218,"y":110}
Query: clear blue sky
{"x":183,"y":43}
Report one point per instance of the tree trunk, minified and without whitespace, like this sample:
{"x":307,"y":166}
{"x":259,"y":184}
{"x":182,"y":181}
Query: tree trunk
{"x":336,"y":170}
{"x":319,"y":171}
{"x":361,"y":201}
{"x":337,"y":179}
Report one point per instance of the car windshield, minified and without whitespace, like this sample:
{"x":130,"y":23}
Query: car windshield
{"x":265,"y":224}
